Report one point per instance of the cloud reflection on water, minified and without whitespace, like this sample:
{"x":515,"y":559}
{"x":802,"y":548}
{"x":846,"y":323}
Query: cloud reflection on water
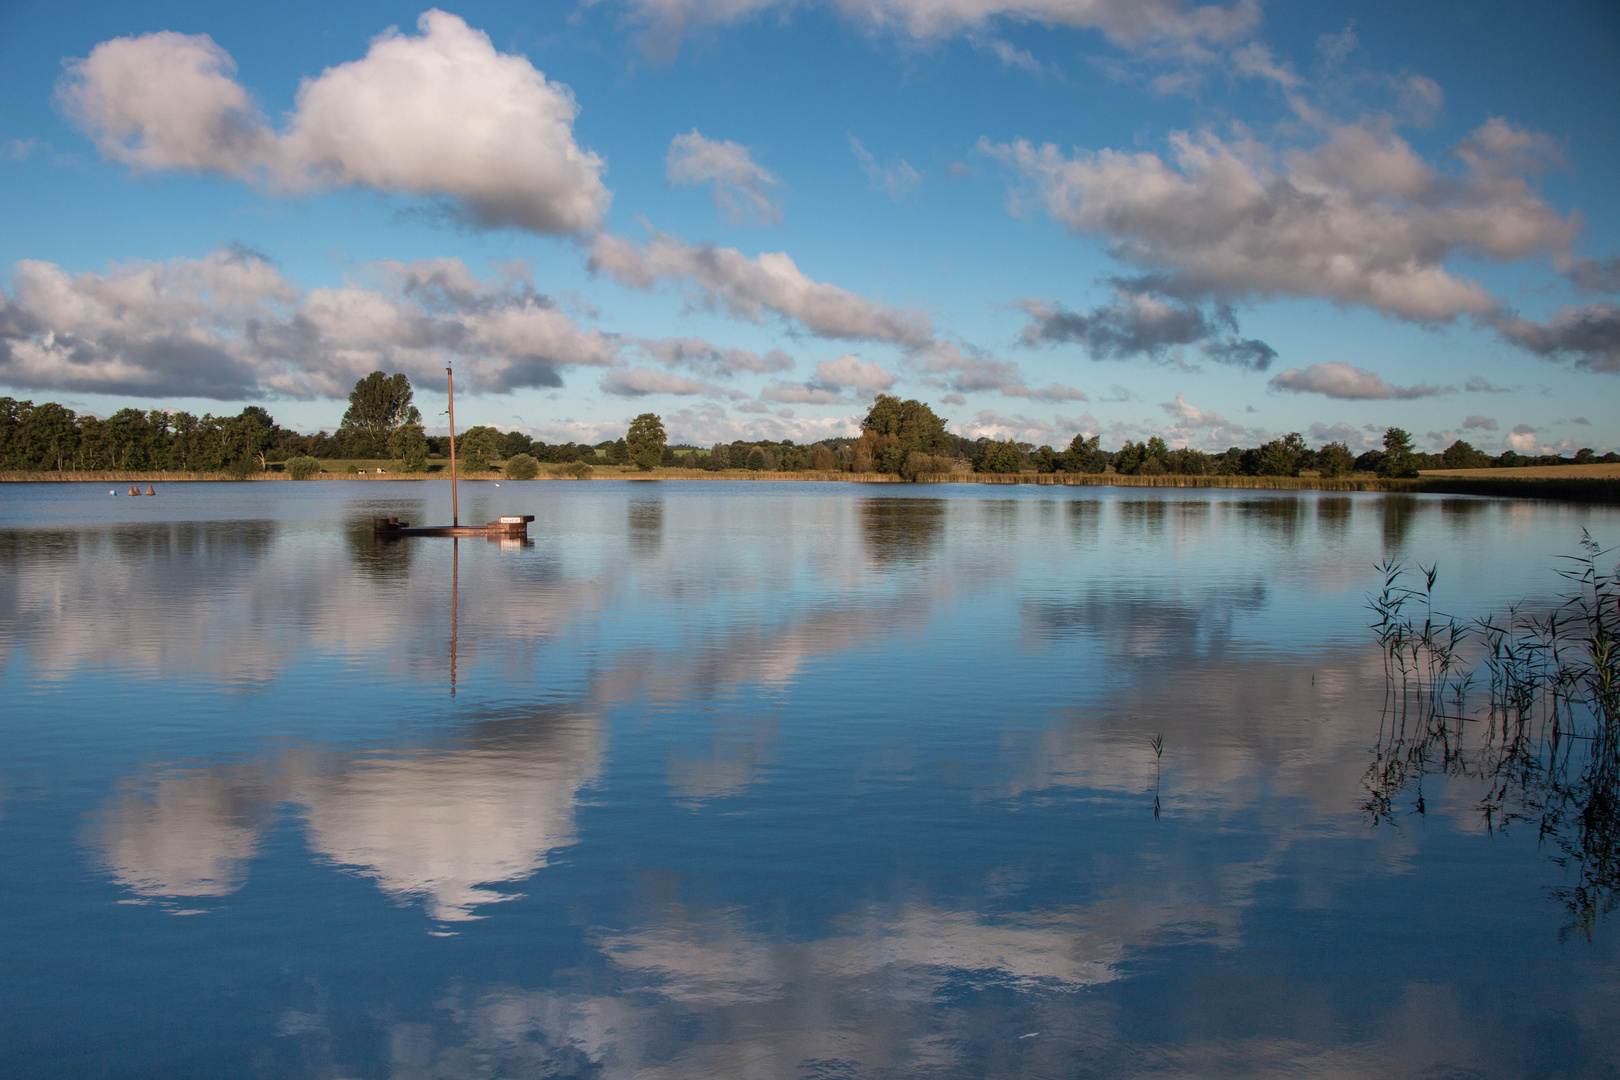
{"x":427,"y":824}
{"x":960,"y":691}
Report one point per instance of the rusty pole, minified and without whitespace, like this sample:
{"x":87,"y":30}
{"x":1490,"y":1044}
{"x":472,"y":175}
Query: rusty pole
{"x":455,"y":511}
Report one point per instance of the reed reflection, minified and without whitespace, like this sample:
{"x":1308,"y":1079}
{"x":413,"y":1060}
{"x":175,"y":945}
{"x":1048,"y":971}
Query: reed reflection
{"x":901,"y":530}
{"x":1543,"y":751}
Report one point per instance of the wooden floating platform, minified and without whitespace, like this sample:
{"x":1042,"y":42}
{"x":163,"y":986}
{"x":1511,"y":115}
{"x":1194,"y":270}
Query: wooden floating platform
{"x":511,"y":527}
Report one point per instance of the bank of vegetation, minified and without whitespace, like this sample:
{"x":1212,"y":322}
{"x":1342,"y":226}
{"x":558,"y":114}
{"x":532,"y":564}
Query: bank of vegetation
{"x":381,"y":435}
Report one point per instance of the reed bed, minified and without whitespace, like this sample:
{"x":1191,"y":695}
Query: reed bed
{"x":1544,"y":741}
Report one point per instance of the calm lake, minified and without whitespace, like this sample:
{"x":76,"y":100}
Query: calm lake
{"x":763,"y":780}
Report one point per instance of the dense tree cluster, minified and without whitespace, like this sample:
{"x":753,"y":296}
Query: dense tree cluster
{"x":900,"y":437}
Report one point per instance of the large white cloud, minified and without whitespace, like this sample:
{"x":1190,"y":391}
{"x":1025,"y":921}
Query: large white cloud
{"x":441,"y":113}
{"x":229,"y":326}
{"x":1358,"y":219}
{"x":748,"y":288}
{"x":740,"y":184}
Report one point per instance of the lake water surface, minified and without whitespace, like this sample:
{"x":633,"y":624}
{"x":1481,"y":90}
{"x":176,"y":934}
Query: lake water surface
{"x":761,"y":780}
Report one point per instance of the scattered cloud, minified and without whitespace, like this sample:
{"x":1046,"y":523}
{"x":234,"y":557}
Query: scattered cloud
{"x":707,"y":423}
{"x":1357,"y":439}
{"x":1139,"y":322}
{"x":1596,"y":275}
{"x":713,"y":361}
{"x":1590,"y":334}
{"x":967,"y":372}
{"x":1479,"y":423}
{"x":438,"y":114}
{"x":1130,"y":24}
{"x":1207,"y":430}
{"x":1340,"y":380}
{"x":988,"y":424}
{"x":803,"y":395}
{"x":1479,"y":385}
{"x":832,"y":379}
{"x":640,"y":381}
{"x":850,"y":370}
{"x":1358,"y":219}
{"x":741,"y":187}
{"x":747,"y":288}
{"x":1522,"y":440}
{"x":1011,"y":56}
{"x":897,"y":178}
{"x":230,"y":327}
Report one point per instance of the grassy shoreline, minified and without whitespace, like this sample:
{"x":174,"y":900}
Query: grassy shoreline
{"x":1601,"y":487}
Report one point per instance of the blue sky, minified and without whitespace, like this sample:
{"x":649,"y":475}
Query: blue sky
{"x":1217,"y":222}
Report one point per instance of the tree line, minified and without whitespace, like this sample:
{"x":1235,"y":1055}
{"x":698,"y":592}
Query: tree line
{"x":903,"y":438}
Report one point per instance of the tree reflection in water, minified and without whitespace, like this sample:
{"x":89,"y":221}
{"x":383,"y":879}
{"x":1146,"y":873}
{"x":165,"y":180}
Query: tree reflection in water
{"x":1546,"y":747}
{"x":899,"y":530}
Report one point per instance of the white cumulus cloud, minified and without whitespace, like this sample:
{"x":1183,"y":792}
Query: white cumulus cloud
{"x":229,"y":326}
{"x":438,"y":114}
{"x":1358,"y":219}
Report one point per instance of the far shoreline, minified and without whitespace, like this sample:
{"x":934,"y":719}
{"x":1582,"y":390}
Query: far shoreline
{"x":1597,"y":483}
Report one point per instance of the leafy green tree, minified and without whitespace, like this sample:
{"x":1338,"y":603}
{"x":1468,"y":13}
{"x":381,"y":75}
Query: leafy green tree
{"x":377,"y":405}
{"x":513,"y":443}
{"x":1334,"y":459}
{"x":998,"y":457}
{"x":1129,"y":457}
{"x":1157,"y":451}
{"x":522,"y":467}
{"x":1189,"y":462}
{"x":893,"y":430}
{"x":755,"y":461}
{"x":408,"y":445}
{"x":1085,"y":456}
{"x":644,"y":442}
{"x":1397,"y":460}
{"x":1280,"y":457}
{"x":476,"y":448}
{"x":1461,"y":455}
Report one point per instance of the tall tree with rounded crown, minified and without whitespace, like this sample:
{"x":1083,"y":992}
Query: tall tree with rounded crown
{"x":378,"y":405}
{"x":645,"y":441}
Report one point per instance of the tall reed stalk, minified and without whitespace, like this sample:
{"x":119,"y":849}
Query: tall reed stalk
{"x":1545,"y":743}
